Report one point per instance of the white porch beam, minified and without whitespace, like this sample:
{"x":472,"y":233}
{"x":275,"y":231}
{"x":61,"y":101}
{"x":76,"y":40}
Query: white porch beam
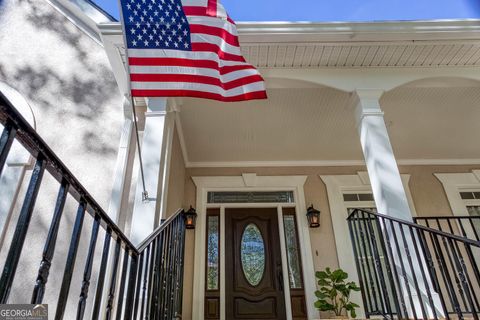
{"x":146,"y":213}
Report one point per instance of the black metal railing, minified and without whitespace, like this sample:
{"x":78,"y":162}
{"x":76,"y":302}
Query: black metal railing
{"x":464,"y":226}
{"x":149,"y":278}
{"x":161,"y":272}
{"x":410,"y":271}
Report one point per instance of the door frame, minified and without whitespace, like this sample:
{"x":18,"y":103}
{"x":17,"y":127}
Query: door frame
{"x":251,"y":182}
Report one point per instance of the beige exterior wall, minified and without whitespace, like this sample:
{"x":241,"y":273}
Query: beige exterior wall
{"x":67,"y":79}
{"x":427,"y":193}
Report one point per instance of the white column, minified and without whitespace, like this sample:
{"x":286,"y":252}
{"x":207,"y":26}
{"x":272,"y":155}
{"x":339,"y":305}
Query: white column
{"x":389,"y":193}
{"x":387,"y":187}
{"x":145,"y":212}
{"x":121,"y":166}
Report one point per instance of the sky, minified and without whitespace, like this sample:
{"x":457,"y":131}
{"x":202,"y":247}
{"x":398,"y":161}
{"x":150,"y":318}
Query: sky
{"x":339,"y":10}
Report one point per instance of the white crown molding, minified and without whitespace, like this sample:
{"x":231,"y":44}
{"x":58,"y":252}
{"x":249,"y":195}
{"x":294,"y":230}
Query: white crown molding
{"x":390,"y":31}
{"x":324,"y":163}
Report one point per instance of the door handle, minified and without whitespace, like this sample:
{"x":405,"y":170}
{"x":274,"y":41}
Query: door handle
{"x":280,"y":278}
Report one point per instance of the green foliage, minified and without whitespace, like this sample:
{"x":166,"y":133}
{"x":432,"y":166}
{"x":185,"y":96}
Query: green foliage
{"x":334,"y":292}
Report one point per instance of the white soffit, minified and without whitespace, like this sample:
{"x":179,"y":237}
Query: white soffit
{"x":378,"y":44}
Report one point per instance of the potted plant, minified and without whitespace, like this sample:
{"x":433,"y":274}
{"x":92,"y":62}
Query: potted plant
{"x":334,"y":293}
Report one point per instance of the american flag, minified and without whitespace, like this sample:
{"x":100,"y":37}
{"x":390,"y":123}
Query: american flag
{"x":186,"y":48}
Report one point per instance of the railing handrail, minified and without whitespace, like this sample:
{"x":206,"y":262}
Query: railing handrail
{"x":419,"y":226}
{"x":158,"y":230}
{"x":446,"y":217}
{"x":32,"y":141}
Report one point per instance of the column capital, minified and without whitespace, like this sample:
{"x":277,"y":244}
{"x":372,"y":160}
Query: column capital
{"x":368,"y":103}
{"x":369,"y":94}
{"x":156,"y":106}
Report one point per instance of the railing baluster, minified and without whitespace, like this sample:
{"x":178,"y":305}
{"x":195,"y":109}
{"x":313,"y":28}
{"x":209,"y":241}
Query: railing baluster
{"x":431,"y":267}
{"x":402,"y":267}
{"x":138,"y":286}
{"x":131,"y":292}
{"x":446,"y":275}
{"x":457,"y":257}
{"x":113,"y":280}
{"x":361,"y":259}
{"x":422,"y":272}
{"x":174,"y":267}
{"x":169,"y":288}
{"x":70,"y":264}
{"x":182,"y":253}
{"x":412,"y":270}
{"x":376,"y":263}
{"x":121,"y":291}
{"x":388,"y":269}
{"x":351,"y":228}
{"x":154,"y":307}
{"x":87,"y":273}
{"x":21,"y":230}
{"x":463,"y":266}
{"x":398,"y":290}
{"x":164,"y":272}
{"x":49,"y":249}
{"x":148,"y":258}
{"x":6,"y":141}
{"x":101,"y":275}
{"x":151,"y":280}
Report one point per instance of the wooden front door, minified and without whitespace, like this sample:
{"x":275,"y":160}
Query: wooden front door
{"x":253,"y":265}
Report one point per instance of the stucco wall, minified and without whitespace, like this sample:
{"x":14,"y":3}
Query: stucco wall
{"x":66,"y":77}
{"x":427,"y":193}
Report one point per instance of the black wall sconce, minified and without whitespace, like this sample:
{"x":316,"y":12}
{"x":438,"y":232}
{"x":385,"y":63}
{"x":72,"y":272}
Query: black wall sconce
{"x":190,"y":218}
{"x":313,"y":216}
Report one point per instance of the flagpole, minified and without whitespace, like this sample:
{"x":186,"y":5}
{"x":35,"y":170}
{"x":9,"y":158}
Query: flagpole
{"x":145,"y":192}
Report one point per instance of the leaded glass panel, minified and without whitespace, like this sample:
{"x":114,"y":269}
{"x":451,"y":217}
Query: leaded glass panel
{"x":212,"y":252}
{"x":250,"y":197}
{"x":293,"y":255}
{"x":252,"y":252}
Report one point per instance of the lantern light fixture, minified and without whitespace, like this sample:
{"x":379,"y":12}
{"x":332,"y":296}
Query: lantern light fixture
{"x":190,"y":218}
{"x":313,"y":217}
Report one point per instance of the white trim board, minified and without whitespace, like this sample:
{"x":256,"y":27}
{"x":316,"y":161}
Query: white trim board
{"x":316,"y":163}
{"x":336,"y":186}
{"x":249,"y":182}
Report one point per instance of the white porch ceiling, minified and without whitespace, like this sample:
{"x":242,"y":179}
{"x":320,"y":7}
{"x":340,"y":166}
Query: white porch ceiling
{"x":317,"y":126}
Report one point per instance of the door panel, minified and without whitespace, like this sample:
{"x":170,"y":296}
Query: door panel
{"x":266,"y":299}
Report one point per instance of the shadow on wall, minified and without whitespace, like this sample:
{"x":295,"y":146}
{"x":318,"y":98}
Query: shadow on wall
{"x":89,"y":86}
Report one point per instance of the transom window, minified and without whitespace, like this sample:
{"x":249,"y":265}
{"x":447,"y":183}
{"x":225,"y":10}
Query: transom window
{"x":250,"y":197}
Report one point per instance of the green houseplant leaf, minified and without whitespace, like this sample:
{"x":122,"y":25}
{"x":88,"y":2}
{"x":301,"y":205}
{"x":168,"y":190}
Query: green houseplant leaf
{"x":334,"y":292}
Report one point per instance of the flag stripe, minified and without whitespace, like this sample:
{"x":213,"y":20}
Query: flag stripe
{"x":192,"y":67}
{"x":256,"y":86}
{"x":217,"y":41}
{"x":208,"y":64}
{"x":153,"y":77}
{"x":200,"y":11}
{"x":211,"y":47}
{"x":214,"y":31}
{"x":199,"y":94}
